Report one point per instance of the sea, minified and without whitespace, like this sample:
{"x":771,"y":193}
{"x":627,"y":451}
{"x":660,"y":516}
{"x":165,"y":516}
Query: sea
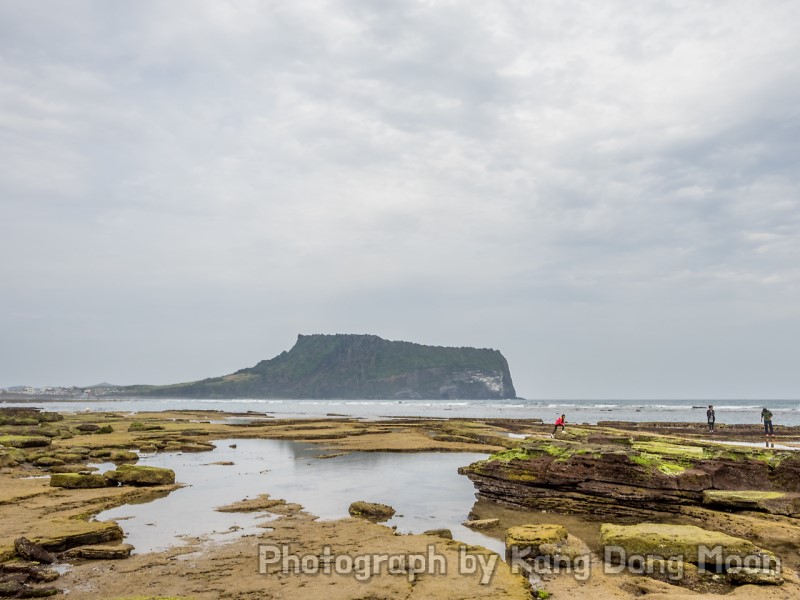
{"x":785,"y":412}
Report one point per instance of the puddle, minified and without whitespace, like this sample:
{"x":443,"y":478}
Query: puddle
{"x":104,"y":466}
{"x":765,"y":445}
{"x":241,"y":420}
{"x":424,"y":488}
{"x":60,"y":568}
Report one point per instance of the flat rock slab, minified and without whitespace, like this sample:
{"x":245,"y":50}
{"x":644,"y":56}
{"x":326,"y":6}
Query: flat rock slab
{"x":745,"y":576}
{"x":24,"y":441}
{"x":70,"y":533}
{"x":121,"y":456}
{"x":15,"y":589}
{"x":82,"y":469}
{"x":262,"y":503}
{"x":48,"y":461}
{"x":649,"y":476}
{"x":9,"y":459}
{"x":373,"y":511}
{"x":481,"y":523}
{"x":100,"y":552}
{"x":693,"y":544}
{"x":442,"y":533}
{"x":19,"y":566}
{"x":88,"y":427}
{"x":776,"y":503}
{"x":535,"y":535}
{"x":566,"y":552}
{"x":75,"y":481}
{"x":141,"y":476}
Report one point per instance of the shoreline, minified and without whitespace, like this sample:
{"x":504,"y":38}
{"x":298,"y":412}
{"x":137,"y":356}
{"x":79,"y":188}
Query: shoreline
{"x":731,"y":414}
{"x":30,"y":507}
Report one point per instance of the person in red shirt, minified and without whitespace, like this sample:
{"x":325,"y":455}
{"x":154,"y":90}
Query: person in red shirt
{"x":560,"y":421}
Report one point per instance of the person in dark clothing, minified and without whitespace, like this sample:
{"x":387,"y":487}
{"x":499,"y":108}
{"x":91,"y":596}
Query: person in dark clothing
{"x":711,"y":416}
{"x":766,"y":416}
{"x":560,"y":421}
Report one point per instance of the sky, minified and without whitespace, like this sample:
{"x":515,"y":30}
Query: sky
{"x":606,"y":192}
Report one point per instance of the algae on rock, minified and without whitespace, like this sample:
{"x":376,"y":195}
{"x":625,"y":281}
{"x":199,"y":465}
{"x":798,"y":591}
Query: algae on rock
{"x":24,"y":441}
{"x":693,"y":544}
{"x":373,"y":511}
{"x":139,"y":475}
{"x":75,"y":481}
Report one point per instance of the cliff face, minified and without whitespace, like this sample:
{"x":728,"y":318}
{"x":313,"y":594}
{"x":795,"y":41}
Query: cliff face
{"x":359,"y":367}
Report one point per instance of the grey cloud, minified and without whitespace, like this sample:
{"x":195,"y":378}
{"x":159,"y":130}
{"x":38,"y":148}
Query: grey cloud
{"x":584,"y":187}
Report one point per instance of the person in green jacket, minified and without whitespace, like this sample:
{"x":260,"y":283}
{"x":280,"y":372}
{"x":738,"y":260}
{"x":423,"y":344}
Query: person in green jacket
{"x":766,"y":416}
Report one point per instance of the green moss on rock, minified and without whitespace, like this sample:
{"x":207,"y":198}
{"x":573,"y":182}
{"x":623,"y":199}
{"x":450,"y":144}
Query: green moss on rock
{"x":525,"y":536}
{"x":69,"y":457}
{"x":24,"y":441}
{"x":671,"y":468}
{"x":77,"y":480}
{"x":140,"y":426}
{"x":72,"y":469}
{"x":558,"y":449}
{"x":371,"y":510}
{"x":740,"y":495}
{"x":442,"y":533}
{"x":141,"y":476}
{"x":779,"y":503}
{"x":48,"y":461}
{"x":656,"y":462}
{"x":663,"y":448}
{"x":196,"y":447}
{"x":11,"y":457}
{"x":510,"y":454}
{"x":78,"y":450}
{"x":118,"y":456}
{"x":667,"y":541}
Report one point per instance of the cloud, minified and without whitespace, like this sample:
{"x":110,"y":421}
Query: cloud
{"x":506,"y":174}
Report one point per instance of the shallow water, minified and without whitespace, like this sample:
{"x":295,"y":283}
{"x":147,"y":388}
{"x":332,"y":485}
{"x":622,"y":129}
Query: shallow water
{"x":424,"y":488}
{"x":770,"y":445}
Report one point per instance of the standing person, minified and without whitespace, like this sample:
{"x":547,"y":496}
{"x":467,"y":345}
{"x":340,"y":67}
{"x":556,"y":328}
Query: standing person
{"x":711,"y":416}
{"x":766,"y":416}
{"x":560,"y":421}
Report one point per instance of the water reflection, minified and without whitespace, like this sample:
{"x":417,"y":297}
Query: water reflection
{"x":424,"y":488}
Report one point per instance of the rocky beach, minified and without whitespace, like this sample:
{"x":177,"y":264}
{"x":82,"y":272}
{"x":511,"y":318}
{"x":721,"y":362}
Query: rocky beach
{"x":573,"y":513}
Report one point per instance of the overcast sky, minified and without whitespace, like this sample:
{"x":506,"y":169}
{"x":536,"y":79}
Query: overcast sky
{"x":607,"y":192}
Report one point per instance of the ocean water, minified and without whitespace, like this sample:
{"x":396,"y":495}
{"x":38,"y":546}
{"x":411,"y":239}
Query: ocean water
{"x":786,"y":412}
